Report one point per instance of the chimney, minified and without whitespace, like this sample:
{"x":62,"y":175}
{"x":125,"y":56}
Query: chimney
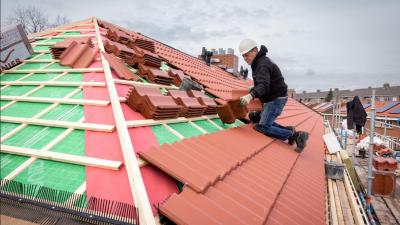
{"x":386,"y":85}
{"x":304,"y":92}
{"x":336,"y":89}
{"x":369,"y":87}
{"x":318,"y":90}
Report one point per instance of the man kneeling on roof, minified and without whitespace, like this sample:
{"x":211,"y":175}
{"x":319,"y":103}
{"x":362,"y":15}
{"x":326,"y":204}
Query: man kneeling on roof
{"x":271,"y":89}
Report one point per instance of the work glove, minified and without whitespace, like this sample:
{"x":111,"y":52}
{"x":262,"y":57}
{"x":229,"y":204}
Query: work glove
{"x":251,"y":88}
{"x":244,"y":100}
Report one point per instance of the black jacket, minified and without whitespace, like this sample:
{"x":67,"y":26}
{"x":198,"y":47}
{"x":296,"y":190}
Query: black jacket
{"x":268,"y":80}
{"x":355,"y":113}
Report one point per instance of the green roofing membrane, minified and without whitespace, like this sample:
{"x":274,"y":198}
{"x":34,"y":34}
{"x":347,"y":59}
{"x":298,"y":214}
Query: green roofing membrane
{"x":12,"y":76}
{"x":34,"y":137}
{"x":41,"y":47}
{"x":56,"y":175}
{"x":9,"y":163}
{"x":32,"y":66}
{"x":41,"y":77}
{"x":53,"y":91}
{"x":75,"y":77}
{"x":4,"y":102}
{"x":17,"y":90}
{"x":185,"y":129}
{"x":206,"y":125}
{"x":45,"y":56}
{"x":54,"y":40}
{"x":226,"y":125}
{"x":24,"y":109}
{"x":163,"y":135}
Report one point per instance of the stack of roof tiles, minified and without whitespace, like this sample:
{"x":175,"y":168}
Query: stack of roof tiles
{"x":58,"y":48}
{"x":120,"y":69}
{"x":145,"y":57}
{"x":204,"y":100}
{"x":143,"y":44}
{"x":155,"y":75}
{"x":191,"y":106}
{"x":152,"y":104}
{"x":118,"y":49}
{"x":78,"y":55}
{"x":118,"y":36}
{"x":177,"y":76}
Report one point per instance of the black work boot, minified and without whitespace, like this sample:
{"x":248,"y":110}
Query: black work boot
{"x":301,"y":138}
{"x":255,"y":117}
{"x":291,"y":140}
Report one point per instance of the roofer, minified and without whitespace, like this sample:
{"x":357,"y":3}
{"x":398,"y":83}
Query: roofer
{"x":271,"y":89}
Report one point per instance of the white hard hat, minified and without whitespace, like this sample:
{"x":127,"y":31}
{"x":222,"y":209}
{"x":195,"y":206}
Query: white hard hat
{"x":246,"y":45}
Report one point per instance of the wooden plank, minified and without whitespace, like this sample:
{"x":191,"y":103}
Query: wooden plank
{"x":47,"y":60}
{"x":355,"y":206}
{"x":337,"y":204}
{"x":344,"y":201}
{"x":62,"y":157}
{"x":138,"y":189}
{"x":137,"y":83}
{"x":56,"y":83}
{"x":42,"y":51}
{"x":64,"y":36}
{"x":69,"y":101}
{"x":151,"y":122}
{"x":176,"y":133}
{"x":332,"y":203}
{"x":40,"y":60}
{"x":75,"y":30}
{"x":80,"y":70}
{"x":58,"y":123}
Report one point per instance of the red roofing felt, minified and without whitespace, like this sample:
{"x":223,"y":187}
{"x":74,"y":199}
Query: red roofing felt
{"x":239,"y":176}
{"x":110,"y":184}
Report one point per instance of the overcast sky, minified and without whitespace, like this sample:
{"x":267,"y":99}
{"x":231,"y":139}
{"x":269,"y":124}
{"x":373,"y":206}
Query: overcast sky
{"x":317,"y":44}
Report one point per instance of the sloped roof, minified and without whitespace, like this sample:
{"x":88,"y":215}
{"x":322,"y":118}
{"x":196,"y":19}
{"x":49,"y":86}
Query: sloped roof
{"x":250,"y":179}
{"x":86,"y":96}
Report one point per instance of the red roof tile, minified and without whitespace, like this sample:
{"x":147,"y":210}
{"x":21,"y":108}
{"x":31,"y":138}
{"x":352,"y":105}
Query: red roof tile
{"x":58,"y":48}
{"x":249,"y":178}
{"x":121,"y":70}
{"x":78,"y":55}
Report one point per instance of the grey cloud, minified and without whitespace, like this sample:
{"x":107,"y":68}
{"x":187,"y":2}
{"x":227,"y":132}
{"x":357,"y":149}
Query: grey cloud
{"x":165,"y":34}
